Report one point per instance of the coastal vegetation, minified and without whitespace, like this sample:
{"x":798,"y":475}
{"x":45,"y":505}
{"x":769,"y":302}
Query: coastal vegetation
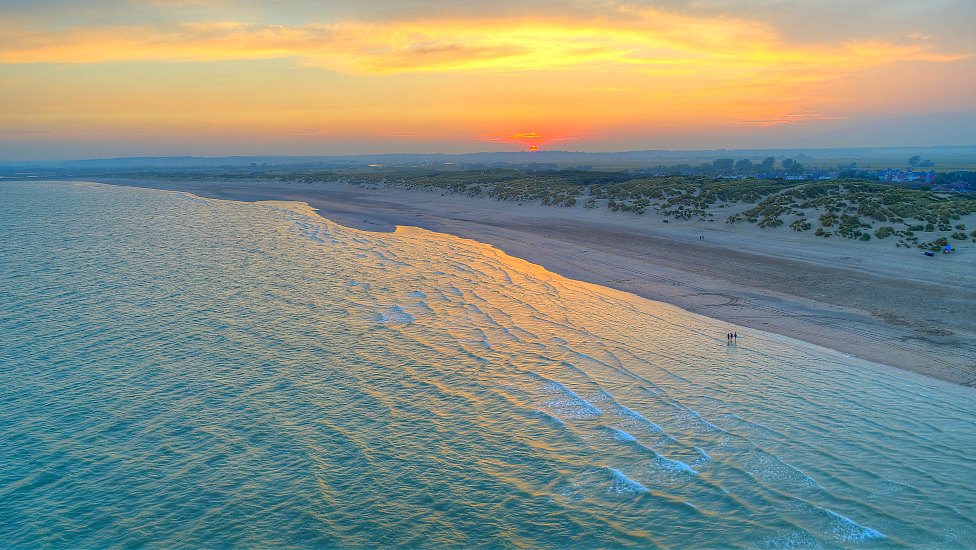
{"x":850,"y":208}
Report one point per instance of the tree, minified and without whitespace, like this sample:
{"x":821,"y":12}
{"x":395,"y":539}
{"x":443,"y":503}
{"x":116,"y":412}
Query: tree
{"x":787,"y":164}
{"x":723,"y":164}
{"x":743,"y":165}
{"x":913,"y":162}
{"x":767,"y":163}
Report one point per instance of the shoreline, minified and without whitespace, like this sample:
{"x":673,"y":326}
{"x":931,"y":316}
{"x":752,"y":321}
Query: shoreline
{"x":917,"y":319}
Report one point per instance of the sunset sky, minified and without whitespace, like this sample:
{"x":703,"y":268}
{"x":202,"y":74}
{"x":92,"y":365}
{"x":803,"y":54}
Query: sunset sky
{"x":221,"y":77}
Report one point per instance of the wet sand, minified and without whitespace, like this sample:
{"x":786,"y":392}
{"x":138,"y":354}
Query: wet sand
{"x":872,"y":300}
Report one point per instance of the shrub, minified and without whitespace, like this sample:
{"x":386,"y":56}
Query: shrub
{"x":938,"y":244}
{"x":884,"y":232}
{"x":801,"y":225}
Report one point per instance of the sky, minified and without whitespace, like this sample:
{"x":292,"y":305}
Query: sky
{"x":299,"y":77}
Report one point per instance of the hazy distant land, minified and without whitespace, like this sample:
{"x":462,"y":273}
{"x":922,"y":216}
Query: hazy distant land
{"x":943,"y":159}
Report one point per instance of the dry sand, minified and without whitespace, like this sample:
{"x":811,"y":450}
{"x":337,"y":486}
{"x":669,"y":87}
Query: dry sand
{"x":889,"y":305}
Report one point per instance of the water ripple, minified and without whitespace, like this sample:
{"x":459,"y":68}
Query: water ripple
{"x":182,"y":372}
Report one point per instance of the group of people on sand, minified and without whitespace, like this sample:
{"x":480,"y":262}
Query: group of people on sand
{"x":733,"y":337}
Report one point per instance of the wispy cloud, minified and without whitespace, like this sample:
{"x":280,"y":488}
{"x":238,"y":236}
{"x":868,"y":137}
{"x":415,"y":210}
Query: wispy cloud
{"x":525,"y":138}
{"x":635,"y":40}
{"x":766,"y":120}
{"x":609,"y":89}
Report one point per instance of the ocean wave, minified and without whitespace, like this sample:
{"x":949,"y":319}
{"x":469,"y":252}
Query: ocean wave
{"x":568,"y":404}
{"x":373,"y":396}
{"x":395,"y":315}
{"x":620,"y":483}
{"x":844,"y":529}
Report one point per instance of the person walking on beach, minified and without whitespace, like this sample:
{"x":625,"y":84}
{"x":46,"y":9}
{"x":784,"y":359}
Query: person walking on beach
{"x":735,"y":336}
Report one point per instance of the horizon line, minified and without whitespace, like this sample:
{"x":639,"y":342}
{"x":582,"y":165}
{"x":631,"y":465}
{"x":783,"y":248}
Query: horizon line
{"x":472,"y":153}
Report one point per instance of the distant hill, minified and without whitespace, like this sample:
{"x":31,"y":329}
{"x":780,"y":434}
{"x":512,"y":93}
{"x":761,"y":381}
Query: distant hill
{"x":949,"y":157}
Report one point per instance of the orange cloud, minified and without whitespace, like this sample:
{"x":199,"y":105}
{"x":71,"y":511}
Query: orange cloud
{"x":644,"y":71}
{"x":637,"y":40}
{"x":768,"y":119}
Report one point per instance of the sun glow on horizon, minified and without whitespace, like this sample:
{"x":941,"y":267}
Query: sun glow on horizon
{"x":531,"y":141}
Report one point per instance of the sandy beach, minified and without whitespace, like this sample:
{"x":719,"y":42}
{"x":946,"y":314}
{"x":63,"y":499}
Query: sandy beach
{"x":889,"y":305}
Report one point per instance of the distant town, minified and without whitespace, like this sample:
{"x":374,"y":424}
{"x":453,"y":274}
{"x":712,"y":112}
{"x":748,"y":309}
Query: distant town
{"x":788,"y":169}
{"x":940,"y":169}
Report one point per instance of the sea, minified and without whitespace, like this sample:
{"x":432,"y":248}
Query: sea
{"x":185,"y":372}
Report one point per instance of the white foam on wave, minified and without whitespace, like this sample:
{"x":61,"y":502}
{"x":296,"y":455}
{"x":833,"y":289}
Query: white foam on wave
{"x":845,"y":529}
{"x":550,"y":418}
{"x":770,"y":468}
{"x":570,"y":405}
{"x":703,"y":457}
{"x":665,"y":463}
{"x":620,"y":483}
{"x":395,"y":316}
{"x":622,"y":435}
{"x":661,"y":462}
{"x":641,"y":418}
{"x":686,"y":413}
{"x":792,"y":539}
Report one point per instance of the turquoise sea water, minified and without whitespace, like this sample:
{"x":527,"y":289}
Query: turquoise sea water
{"x":176,"y":371}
